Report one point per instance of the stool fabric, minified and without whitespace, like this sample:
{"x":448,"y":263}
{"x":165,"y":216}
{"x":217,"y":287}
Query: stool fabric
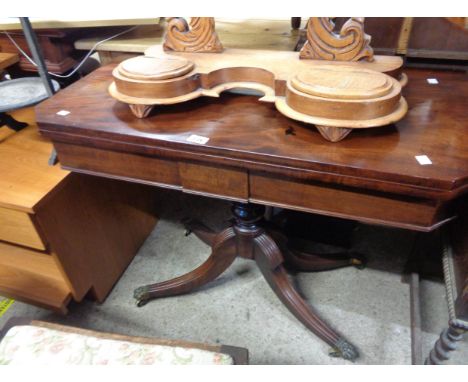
{"x":35,"y":345}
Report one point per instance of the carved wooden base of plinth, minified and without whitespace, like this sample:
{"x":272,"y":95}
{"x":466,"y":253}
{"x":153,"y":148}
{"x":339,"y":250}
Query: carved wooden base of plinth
{"x":141,"y":111}
{"x":336,"y":97}
{"x":248,"y":239}
{"x":333,"y":134}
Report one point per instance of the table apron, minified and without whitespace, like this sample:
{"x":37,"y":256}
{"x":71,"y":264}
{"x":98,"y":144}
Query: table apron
{"x":237,"y":184}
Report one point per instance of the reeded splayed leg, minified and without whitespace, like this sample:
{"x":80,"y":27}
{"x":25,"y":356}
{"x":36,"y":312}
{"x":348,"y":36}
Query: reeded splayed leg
{"x":310,"y":262}
{"x":270,"y":261}
{"x":222,"y":255}
{"x":303,"y":259}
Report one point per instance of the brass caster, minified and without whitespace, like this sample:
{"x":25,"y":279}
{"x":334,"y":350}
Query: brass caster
{"x":140,"y":295}
{"x":343,"y":349}
{"x":141,"y":303}
{"x":186,"y":222}
{"x":357,"y":260}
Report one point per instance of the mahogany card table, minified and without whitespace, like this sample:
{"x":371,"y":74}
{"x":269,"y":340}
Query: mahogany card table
{"x":411,"y":175}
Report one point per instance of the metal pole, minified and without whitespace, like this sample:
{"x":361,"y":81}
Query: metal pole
{"x":41,"y":67}
{"x":415,"y":306}
{"x":37,"y":54}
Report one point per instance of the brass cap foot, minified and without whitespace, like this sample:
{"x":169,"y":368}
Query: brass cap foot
{"x":141,"y":295}
{"x":344,"y":350}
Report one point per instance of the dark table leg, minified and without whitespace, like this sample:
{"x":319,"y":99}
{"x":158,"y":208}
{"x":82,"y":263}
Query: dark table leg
{"x":9,"y":121}
{"x":248,"y":239}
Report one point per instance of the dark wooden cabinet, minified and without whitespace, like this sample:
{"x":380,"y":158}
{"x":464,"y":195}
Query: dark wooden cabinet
{"x":57,"y":46}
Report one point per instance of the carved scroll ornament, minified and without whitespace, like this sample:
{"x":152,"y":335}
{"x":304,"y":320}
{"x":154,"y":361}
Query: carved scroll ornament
{"x":351,"y":44}
{"x":196,"y":36}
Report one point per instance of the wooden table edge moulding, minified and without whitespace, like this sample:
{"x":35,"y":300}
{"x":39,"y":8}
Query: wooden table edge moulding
{"x":153,"y":149}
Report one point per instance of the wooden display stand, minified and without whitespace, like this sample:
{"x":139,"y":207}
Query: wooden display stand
{"x":63,"y":235}
{"x":338,"y":85}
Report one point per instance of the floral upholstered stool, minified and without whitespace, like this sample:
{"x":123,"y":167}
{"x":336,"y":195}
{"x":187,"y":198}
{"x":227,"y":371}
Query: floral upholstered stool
{"x":26,"y":342}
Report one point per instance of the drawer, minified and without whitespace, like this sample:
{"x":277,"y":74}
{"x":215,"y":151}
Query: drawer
{"x":343,"y":202}
{"x":125,"y":166}
{"x":33,"y":277}
{"x":227,"y":183}
{"x":18,"y":227}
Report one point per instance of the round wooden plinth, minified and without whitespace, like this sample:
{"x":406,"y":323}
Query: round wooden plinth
{"x":337,"y":100}
{"x":154,"y":80}
{"x":346,"y":83}
{"x":155,"y":68}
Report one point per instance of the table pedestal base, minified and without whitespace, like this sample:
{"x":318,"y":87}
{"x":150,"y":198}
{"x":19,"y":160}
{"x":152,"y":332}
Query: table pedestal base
{"x":247,"y":239}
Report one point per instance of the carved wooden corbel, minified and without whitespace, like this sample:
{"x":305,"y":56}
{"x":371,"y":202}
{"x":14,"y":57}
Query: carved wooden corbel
{"x":196,"y":36}
{"x":351,"y":44}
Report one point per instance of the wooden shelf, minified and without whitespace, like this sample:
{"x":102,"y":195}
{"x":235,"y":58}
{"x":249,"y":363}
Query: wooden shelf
{"x":11,"y":23}
{"x":32,"y":277}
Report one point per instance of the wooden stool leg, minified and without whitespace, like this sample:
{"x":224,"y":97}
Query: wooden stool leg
{"x":270,"y":261}
{"x":222,"y":256}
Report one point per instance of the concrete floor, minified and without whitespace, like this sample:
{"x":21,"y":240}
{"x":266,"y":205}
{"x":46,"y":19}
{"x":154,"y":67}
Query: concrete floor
{"x":370,"y":307}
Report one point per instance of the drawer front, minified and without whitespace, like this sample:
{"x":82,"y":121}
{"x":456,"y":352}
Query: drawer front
{"x":224,"y":182}
{"x":342,"y":202}
{"x":126,"y":166}
{"x":215,"y":181}
{"x":17,"y":227}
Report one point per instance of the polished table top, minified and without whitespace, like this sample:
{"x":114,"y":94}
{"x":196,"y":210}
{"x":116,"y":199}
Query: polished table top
{"x":251,"y":136}
{"x":241,"y":127}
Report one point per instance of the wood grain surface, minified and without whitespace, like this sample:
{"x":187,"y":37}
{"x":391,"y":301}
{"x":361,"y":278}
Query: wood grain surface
{"x":25,"y":175}
{"x":83,"y":231}
{"x":323,"y":43}
{"x":251,"y":134}
{"x":8,"y":59}
{"x":18,"y":227}
{"x":33,"y":277}
{"x":196,"y":35}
